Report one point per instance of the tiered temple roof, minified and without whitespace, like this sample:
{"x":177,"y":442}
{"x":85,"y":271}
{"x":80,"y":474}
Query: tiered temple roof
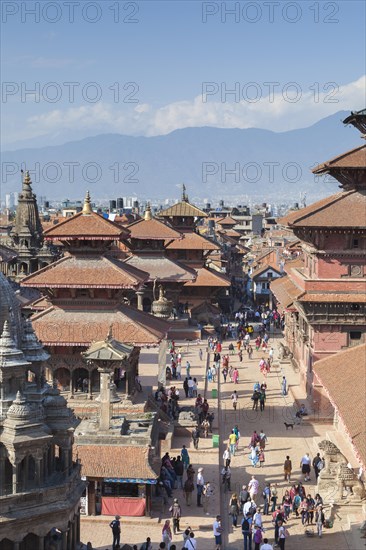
{"x":87,"y":272}
{"x":56,"y":326}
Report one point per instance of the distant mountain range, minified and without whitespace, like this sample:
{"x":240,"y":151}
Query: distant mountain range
{"x":212,"y":162}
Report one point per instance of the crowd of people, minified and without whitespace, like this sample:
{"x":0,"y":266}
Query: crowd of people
{"x":178,"y":473}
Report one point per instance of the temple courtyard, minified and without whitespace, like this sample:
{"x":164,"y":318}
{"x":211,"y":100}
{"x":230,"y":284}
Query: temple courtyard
{"x":345,"y":533}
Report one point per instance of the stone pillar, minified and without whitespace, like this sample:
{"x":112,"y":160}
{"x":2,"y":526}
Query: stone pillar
{"x":90,"y":390}
{"x":71,"y":392}
{"x":140,"y":295}
{"x":38,"y":472}
{"x":40,"y":543}
{"x":104,"y":397}
{"x":2,"y":475}
{"x":15,"y":478}
{"x":16,"y":545}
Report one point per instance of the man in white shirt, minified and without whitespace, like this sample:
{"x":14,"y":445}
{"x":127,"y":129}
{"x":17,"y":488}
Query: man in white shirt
{"x":227,"y":456}
{"x":199,"y":485}
{"x":234,"y":399}
{"x":247,"y":506}
{"x":266,"y":545}
{"x":257,"y":518}
{"x":191,"y":543}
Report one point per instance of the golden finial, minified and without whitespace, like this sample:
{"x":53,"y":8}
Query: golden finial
{"x":148,"y":215}
{"x":184,"y":194}
{"x":87,"y":209}
{"x":27,"y":178}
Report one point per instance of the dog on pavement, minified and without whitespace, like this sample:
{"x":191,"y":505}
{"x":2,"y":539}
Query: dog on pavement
{"x":289,"y":426}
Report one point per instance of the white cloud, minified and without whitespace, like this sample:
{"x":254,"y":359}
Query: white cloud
{"x":274,"y":113}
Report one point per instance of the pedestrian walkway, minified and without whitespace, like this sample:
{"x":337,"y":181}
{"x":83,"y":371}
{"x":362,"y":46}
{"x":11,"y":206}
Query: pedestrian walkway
{"x":281,"y":442}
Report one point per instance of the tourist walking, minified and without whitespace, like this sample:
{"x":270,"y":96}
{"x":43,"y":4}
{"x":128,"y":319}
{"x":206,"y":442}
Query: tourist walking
{"x":234,"y":509}
{"x":282,"y":535}
{"x":185,"y":457}
{"x":199,"y":486}
{"x":267,"y":493}
{"x":217,"y":531}
{"x":226,"y":478}
{"x":167,"y":534}
{"x":284,"y":386}
{"x":319,"y":520}
{"x":234,"y":399}
{"x":316,"y":461}
{"x":253,"y":488}
{"x":207,"y":493}
{"x":188,"y":489}
{"x":246,"y":529}
{"x":179,"y":470}
{"x":115,"y":525}
{"x":287,"y":469}
{"x":305,"y":466}
{"x":257,"y":537}
{"x":232,"y":442}
{"x":176,"y":512}
{"x":227,"y":456}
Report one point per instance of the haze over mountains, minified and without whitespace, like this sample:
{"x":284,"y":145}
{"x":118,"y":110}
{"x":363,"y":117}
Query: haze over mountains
{"x":212,"y":162}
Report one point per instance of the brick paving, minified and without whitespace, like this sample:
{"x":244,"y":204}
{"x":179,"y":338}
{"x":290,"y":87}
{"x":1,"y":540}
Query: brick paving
{"x":280,"y":443}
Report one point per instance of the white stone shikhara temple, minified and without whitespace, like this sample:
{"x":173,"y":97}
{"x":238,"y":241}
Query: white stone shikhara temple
{"x":40,"y":485}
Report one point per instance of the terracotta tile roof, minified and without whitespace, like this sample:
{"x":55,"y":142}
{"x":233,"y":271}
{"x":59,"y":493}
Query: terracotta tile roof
{"x":208,"y":277}
{"x":162,"y":268}
{"x":336,"y":297}
{"x":192,"y":241}
{"x":232,"y":233}
{"x":228,"y":220}
{"x":40,"y":304}
{"x":331,"y":212}
{"x":64,"y":327}
{"x":260,"y":270}
{"x":343,"y":376}
{"x":152,"y":230}
{"x":285,"y":291}
{"x":182,"y":209}
{"x":88,"y":226}
{"x":115,"y":461}
{"x":355,"y":158}
{"x":86,"y":272}
{"x":297,"y":262}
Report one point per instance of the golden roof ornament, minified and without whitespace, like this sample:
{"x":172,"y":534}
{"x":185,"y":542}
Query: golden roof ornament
{"x":27,"y":179}
{"x":87,"y":209}
{"x":184,"y":194}
{"x":148,"y":214}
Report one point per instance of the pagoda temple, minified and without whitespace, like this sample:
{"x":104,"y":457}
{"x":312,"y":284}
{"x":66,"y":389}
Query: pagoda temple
{"x":209,"y":286}
{"x":324,"y":301}
{"x":87,"y":291}
{"x":26,"y":236}
{"x":147,"y":242}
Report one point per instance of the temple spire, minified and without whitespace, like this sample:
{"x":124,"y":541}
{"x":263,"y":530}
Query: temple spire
{"x":148,"y":215}
{"x":184,"y":194}
{"x":87,"y":209}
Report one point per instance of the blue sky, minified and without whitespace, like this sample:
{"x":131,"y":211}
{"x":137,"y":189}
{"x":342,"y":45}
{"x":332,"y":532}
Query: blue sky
{"x":160,"y":63}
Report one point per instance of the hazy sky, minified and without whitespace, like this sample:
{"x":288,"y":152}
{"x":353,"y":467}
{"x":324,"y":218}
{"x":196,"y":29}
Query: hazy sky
{"x":73,"y":69}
